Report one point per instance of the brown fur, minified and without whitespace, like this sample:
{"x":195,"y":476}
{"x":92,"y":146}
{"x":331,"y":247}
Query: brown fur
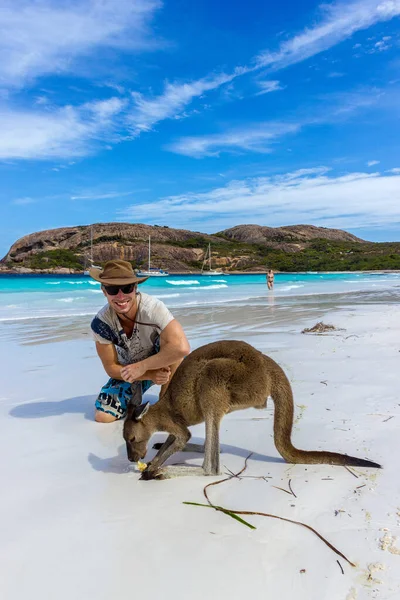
{"x":211,"y":382}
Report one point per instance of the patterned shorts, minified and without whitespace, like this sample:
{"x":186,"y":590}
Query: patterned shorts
{"x":116,"y":394}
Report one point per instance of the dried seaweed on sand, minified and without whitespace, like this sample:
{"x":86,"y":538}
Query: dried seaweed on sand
{"x":321,"y":327}
{"x":235,"y":513}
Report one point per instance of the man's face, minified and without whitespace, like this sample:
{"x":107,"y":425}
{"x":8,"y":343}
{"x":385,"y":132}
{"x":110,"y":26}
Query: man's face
{"x":124,"y":300}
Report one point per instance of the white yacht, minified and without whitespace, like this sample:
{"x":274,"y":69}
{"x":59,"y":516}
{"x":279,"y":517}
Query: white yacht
{"x":206,"y":268}
{"x":152,"y":271}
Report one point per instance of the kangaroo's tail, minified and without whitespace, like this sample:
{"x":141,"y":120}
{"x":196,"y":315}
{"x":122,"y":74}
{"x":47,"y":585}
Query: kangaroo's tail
{"x":282,"y":396}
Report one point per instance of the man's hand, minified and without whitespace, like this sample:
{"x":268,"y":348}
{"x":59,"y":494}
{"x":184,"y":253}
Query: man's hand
{"x":133,"y":372}
{"x":137,"y":371}
{"x":160,"y":376}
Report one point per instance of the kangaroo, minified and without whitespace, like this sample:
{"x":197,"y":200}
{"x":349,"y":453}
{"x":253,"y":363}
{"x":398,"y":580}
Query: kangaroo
{"x":212,"y":381}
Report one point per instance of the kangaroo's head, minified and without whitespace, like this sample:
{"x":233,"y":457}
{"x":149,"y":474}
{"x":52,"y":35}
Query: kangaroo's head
{"x":137,"y":432}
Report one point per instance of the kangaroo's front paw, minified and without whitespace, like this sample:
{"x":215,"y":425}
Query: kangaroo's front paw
{"x":157,"y":446}
{"x":150,"y":474}
{"x":147,"y":475}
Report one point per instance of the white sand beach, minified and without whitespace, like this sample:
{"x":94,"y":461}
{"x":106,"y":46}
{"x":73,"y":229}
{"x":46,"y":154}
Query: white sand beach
{"x":78,"y":523}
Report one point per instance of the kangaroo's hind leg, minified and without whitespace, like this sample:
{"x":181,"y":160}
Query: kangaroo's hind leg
{"x":214,"y":399}
{"x":211,"y":464}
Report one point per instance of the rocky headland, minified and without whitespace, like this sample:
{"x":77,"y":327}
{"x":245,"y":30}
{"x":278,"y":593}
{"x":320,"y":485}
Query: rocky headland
{"x":242,"y":248}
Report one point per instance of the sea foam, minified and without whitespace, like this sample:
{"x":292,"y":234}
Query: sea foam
{"x":183,"y":282}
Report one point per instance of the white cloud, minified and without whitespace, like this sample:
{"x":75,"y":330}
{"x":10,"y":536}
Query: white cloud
{"x":335,"y":74}
{"x":373,"y":47}
{"x":339,"y":22}
{"x":42,"y":37}
{"x":105,"y":109}
{"x":23,"y":201}
{"x":99,"y":195}
{"x":256,"y":138}
{"x":268,"y":86}
{"x":396,"y":171}
{"x":149,"y":111}
{"x":62,"y":133}
{"x":41,"y":100}
{"x":353,"y":200}
{"x":371,"y":163}
{"x":383,"y":44}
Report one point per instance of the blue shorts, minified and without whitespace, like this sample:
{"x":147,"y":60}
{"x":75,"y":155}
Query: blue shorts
{"x":116,"y":394}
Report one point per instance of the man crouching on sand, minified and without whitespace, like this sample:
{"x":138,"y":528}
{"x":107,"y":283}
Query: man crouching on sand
{"x":137,"y":339}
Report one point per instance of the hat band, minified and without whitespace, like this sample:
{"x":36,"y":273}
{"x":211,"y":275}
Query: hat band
{"x":123,"y":276}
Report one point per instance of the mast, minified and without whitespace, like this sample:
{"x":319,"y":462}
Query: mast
{"x":202,"y":266}
{"x":91,"y":244}
{"x":149,"y":253}
{"x":209,"y":255}
{"x":204,"y":260}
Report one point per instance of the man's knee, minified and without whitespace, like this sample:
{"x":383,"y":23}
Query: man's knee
{"x":103,"y":417}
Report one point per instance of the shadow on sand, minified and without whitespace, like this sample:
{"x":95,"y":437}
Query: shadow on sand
{"x":120,"y":464}
{"x":39,"y":410}
{"x":79,"y":404}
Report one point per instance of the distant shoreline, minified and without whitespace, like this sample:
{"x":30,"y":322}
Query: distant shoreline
{"x":193,"y":273}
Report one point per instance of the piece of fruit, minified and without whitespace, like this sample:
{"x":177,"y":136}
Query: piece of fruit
{"x":141,"y":465}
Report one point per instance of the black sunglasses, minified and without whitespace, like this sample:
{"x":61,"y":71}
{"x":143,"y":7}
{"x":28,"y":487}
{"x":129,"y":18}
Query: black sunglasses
{"x":112,"y":290}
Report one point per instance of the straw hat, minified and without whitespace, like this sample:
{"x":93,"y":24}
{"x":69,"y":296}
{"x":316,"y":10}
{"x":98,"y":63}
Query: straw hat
{"x":116,"y":272}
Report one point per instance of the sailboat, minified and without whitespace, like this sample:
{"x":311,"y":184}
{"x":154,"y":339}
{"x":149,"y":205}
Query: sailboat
{"x":86,"y":271}
{"x":152,"y":271}
{"x":207,"y":262}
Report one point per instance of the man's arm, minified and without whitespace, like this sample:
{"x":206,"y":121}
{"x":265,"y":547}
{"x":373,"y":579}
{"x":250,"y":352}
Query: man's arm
{"x":173,"y":347}
{"x":109,"y":357}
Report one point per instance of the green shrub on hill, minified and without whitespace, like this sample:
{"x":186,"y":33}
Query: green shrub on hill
{"x":51,"y":259}
{"x":193,"y":242}
{"x":326,"y":255}
{"x":106,"y":238}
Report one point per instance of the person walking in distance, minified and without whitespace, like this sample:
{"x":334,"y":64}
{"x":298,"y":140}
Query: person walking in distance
{"x":270,"y":279}
{"x":137,"y":340}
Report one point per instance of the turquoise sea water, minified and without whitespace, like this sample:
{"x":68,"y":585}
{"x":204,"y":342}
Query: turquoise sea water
{"x":40,"y":296}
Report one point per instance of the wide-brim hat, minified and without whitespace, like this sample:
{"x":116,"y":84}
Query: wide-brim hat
{"x":116,"y":272}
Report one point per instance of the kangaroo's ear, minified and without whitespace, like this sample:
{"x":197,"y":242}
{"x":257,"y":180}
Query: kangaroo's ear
{"x":139,"y":411}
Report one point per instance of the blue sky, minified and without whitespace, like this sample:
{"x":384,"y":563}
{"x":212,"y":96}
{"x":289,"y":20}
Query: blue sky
{"x":200,"y":115}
